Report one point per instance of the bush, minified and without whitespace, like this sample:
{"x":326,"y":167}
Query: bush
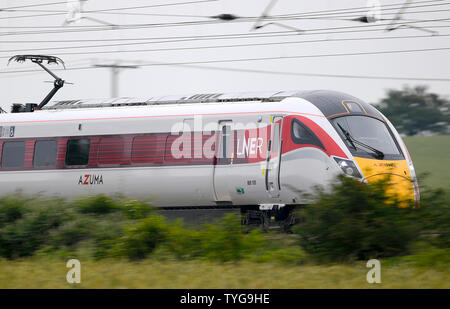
{"x":70,"y":233}
{"x":435,"y":217}
{"x":26,"y":235}
{"x":225,"y":241}
{"x":98,"y":205}
{"x":105,"y":240}
{"x":12,"y":208}
{"x":142,"y":239}
{"x":355,"y":220}
{"x":134,"y":209}
{"x":184,"y":244}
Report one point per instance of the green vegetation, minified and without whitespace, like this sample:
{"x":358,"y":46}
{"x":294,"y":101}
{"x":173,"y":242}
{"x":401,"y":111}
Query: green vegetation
{"x":45,"y":273}
{"x":351,"y":222}
{"x":414,"y":110}
{"x":103,"y":227}
{"x":431,"y":154}
{"x":356,"y":221}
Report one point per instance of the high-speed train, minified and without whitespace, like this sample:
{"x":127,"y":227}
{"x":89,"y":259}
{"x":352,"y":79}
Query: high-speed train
{"x":243,"y":150}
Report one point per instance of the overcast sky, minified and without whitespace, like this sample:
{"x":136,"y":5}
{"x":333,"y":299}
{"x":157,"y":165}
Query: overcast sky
{"x":148,"y":81}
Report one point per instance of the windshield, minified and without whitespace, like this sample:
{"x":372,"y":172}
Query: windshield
{"x":369,"y":131}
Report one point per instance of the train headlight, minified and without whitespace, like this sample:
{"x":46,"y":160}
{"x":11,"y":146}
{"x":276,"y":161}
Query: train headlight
{"x":348,"y":167}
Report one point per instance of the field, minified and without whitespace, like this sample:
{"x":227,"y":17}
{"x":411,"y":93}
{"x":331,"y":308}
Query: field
{"x":431,"y":154}
{"x":33,"y":273}
{"x":428,"y":269}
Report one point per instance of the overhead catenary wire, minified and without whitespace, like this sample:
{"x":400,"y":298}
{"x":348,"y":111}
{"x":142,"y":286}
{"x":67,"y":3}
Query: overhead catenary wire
{"x":127,"y":8}
{"x":157,"y":25}
{"x":104,"y":10}
{"x":172,"y":39}
{"x":243,"y":19}
{"x":402,"y":51}
{"x":243,"y":70}
{"x":202,"y":47}
{"x":196,"y":64}
{"x":271,"y":72}
{"x":397,"y":6}
{"x":298,"y":16}
{"x":116,"y":13}
{"x":362,"y":10}
{"x":33,"y":5}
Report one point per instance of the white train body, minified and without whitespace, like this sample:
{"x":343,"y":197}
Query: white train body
{"x":202,"y":150}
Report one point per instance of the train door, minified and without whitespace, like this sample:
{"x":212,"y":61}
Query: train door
{"x":272,"y":174}
{"x":222,"y":160}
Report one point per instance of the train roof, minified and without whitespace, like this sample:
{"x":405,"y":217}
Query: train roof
{"x":329,"y":102}
{"x":272,"y":96}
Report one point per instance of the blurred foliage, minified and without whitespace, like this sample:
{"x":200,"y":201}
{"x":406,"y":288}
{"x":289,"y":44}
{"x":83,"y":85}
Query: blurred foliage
{"x":72,"y":232}
{"x":224,"y":241}
{"x":414,"y":110}
{"x":29,"y":231}
{"x":135,"y":209}
{"x":424,"y":254}
{"x":142,"y":239}
{"x":358,"y":221}
{"x":434,"y":217}
{"x":97,"y":205}
{"x":184,"y":244}
{"x":104,"y":240}
{"x":350,"y":221}
{"x":355,"y":221}
{"x":12,"y":208}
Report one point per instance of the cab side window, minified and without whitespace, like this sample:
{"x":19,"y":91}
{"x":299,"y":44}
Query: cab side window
{"x":301,"y":134}
{"x":78,"y":151}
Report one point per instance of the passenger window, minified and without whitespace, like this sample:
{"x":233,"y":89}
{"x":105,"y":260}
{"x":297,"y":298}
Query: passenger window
{"x":110,"y":150}
{"x":301,"y":134}
{"x":148,"y":149}
{"x":78,"y":151}
{"x":13,"y":154}
{"x":45,"y":153}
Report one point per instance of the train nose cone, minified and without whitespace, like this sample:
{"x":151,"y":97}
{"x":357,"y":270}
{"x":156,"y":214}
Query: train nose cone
{"x":395,"y":172}
{"x":397,"y":185}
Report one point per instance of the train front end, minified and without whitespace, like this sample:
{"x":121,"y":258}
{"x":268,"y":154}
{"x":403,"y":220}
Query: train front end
{"x":378,"y":152}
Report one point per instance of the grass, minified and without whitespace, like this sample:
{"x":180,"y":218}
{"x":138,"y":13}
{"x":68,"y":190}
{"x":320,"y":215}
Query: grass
{"x":431,"y":154}
{"x":37,"y":273}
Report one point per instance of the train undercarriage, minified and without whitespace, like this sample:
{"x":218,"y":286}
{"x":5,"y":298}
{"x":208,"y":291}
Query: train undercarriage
{"x":266,"y":216}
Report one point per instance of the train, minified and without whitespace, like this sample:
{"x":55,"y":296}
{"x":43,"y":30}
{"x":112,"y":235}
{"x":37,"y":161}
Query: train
{"x":260,"y":153}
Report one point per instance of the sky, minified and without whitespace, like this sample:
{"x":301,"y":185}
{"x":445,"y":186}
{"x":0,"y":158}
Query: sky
{"x":280,"y":53}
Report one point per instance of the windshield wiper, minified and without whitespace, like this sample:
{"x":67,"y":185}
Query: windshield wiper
{"x":353,"y":141}
{"x":347,"y":135}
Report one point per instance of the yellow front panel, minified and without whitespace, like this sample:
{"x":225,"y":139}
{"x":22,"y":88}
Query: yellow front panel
{"x":398,"y":171}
